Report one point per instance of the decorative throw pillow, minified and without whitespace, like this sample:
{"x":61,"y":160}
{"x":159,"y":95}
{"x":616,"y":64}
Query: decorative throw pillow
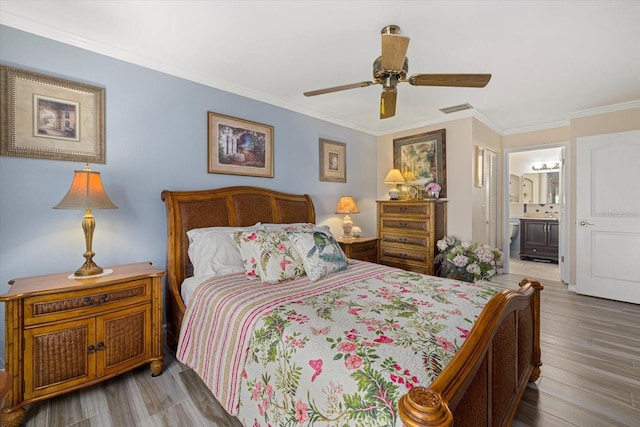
{"x":213,"y":253}
{"x":321,"y":253}
{"x":268,"y":255}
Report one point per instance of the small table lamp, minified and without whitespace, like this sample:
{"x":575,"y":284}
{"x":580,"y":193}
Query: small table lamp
{"x":394,"y":177}
{"x":347,"y":206}
{"x":86,"y":192}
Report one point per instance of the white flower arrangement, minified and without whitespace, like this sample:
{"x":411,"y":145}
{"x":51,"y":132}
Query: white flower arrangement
{"x":466,"y":260}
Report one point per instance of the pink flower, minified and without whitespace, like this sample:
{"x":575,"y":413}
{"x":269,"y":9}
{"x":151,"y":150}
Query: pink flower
{"x":282,"y":247}
{"x":353,"y":362}
{"x":465,"y":332}
{"x":347,"y":347}
{"x":355,"y":311}
{"x":301,"y":411}
{"x":269,"y":390}
{"x":383,"y":340}
{"x":444,"y":343}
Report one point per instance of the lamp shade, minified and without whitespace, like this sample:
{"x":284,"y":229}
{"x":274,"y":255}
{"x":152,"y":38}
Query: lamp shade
{"x":346,"y":205}
{"x":394,"y":177}
{"x":86,"y":192}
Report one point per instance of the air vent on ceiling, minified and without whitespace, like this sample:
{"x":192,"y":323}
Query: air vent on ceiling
{"x":456,"y":108}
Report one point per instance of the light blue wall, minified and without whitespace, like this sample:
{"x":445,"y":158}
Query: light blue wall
{"x":156,"y":133}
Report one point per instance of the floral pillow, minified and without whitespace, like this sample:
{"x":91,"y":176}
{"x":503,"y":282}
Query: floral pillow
{"x":268,"y":255}
{"x":321,"y":253}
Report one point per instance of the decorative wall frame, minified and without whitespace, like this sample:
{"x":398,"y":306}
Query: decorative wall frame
{"x":239,"y":147}
{"x":333,"y":161}
{"x":479,"y":177}
{"x":50,"y":118}
{"x":422,"y":159}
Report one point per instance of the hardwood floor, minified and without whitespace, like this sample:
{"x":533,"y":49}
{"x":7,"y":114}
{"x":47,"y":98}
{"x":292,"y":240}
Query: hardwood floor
{"x":590,"y":377}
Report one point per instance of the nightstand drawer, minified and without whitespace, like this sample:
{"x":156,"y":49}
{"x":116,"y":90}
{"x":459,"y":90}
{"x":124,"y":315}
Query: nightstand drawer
{"x":49,"y":308}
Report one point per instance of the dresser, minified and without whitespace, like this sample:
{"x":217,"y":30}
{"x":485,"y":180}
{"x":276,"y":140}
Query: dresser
{"x":362,"y":248}
{"x":408,"y":232}
{"x":64,"y":333}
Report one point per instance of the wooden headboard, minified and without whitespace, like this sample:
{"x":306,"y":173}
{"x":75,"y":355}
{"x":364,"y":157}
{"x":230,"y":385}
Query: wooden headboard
{"x":223,"y":207}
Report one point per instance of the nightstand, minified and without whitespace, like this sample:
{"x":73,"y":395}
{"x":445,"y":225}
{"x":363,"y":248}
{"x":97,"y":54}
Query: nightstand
{"x":64,"y":333}
{"x":362,"y":248}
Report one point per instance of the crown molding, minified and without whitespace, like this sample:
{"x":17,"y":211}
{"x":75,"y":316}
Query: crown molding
{"x":534,"y":128}
{"x":603,"y":110}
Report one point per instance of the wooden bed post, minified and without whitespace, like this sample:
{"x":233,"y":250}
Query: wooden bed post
{"x":536,"y":356}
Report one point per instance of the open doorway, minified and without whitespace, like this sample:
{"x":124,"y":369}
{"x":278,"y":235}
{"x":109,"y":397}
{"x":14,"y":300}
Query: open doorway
{"x":534,"y":230}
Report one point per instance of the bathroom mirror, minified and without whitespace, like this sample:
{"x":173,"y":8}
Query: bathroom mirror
{"x":514,"y":188}
{"x":541,"y":188}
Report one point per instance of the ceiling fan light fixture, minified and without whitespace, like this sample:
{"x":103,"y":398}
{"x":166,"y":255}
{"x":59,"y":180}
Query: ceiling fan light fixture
{"x":456,"y":108}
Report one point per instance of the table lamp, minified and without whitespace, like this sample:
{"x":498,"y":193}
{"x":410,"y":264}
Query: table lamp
{"x":86,"y":193}
{"x":346,"y":205}
{"x":394,"y":177}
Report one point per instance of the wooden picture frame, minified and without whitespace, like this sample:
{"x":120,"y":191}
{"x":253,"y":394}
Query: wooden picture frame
{"x":422,"y":159}
{"x":52,"y":118}
{"x":479,"y":176}
{"x":333,"y":161}
{"x":239,"y":147}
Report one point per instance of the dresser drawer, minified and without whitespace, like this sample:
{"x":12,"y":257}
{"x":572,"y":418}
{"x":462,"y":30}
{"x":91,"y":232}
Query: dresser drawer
{"x":49,"y":308}
{"x":404,"y":209}
{"x":409,"y":242}
{"x":420,"y":261}
{"x":403,"y":225}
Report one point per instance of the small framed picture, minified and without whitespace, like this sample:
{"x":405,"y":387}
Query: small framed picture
{"x":333,"y":161}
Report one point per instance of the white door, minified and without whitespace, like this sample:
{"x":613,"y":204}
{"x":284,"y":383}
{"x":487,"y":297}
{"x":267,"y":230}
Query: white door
{"x":608,"y":216}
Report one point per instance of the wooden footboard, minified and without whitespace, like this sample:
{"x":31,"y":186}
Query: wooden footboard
{"x":484,"y":382}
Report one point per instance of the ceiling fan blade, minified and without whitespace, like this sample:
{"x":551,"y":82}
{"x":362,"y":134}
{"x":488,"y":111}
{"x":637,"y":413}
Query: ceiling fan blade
{"x":338,"y":88}
{"x":394,"y":51}
{"x":388,"y":103}
{"x":458,"y":80}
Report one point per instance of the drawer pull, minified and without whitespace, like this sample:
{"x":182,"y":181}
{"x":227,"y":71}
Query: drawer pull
{"x":91,"y":349}
{"x":100,"y":346}
{"x":95,"y":303}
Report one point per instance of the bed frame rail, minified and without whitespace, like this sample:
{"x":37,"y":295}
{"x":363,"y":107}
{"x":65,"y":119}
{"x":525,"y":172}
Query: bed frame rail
{"x":483,"y":383}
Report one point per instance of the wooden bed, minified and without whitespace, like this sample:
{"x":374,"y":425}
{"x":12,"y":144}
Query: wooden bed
{"x":483,"y":383}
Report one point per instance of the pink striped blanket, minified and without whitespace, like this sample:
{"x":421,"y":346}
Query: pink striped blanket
{"x":339,"y":351}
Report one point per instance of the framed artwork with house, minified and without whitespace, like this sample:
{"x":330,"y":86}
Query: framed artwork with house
{"x":239,"y":147}
{"x":51,"y":118}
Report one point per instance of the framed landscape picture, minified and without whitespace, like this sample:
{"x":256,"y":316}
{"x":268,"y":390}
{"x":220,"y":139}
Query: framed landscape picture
{"x":51,"y":118}
{"x":421,"y":159}
{"x":239,"y":147}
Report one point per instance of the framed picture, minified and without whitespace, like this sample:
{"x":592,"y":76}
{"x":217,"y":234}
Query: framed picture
{"x":421,"y":159}
{"x":239,"y":147}
{"x":50,"y":118}
{"x":333,"y":161}
{"x":479,"y":166}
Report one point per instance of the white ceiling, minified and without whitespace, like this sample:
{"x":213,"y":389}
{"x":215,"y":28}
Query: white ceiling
{"x":549,"y":59}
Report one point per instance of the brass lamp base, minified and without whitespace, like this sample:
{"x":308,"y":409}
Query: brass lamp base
{"x":89,"y":268}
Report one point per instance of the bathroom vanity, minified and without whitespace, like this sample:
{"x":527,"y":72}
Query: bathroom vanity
{"x":539,"y":239}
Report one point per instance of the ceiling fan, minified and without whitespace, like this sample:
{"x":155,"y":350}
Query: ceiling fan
{"x":391,"y":68}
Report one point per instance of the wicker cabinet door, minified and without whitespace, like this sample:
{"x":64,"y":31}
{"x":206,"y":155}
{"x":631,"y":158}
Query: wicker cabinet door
{"x":123,"y":339}
{"x":58,"y":357}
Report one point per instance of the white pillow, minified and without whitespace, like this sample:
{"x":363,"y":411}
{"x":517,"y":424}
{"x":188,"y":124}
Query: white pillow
{"x":268,"y":255}
{"x":320,"y":252}
{"x":213,"y":253}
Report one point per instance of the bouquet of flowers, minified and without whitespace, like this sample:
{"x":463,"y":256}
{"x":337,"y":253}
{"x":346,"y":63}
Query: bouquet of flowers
{"x":467,"y":261}
{"x":433,"y":186}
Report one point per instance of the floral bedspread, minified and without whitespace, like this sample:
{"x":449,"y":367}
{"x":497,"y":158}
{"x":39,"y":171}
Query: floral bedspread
{"x":340,"y":351}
